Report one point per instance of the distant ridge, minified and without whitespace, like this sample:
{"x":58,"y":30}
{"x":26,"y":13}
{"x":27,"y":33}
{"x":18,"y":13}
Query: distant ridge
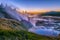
{"x":51,"y":13}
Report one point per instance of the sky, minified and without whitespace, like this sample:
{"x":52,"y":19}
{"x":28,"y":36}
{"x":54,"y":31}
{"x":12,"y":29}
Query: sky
{"x":34,"y":4}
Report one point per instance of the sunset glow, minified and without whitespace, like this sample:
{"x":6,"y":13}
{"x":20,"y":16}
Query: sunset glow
{"x":37,"y":11}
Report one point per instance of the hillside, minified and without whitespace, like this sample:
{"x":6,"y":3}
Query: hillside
{"x":14,"y":30}
{"x":9,"y":24}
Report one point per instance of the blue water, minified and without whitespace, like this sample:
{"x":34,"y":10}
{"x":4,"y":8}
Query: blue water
{"x":46,"y":32}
